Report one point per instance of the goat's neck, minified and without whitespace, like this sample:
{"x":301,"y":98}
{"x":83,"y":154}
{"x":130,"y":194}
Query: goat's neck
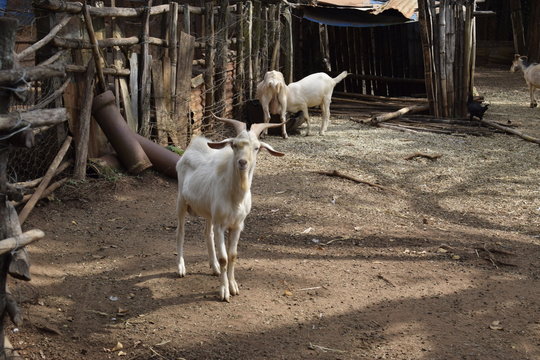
{"x":239,"y":183}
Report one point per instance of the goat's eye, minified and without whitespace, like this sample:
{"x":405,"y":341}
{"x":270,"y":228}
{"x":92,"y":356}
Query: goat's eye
{"x":256,"y":148}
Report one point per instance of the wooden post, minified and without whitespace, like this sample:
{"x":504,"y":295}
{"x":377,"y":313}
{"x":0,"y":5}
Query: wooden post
{"x":145,"y":87}
{"x":256,"y":46}
{"x":81,"y":151}
{"x":517,"y":26}
{"x":187,"y":19}
{"x":249,"y":49}
{"x":265,"y":42}
{"x":240,"y":76}
{"x":7,"y":50}
{"x":424,"y":17}
{"x":209,"y":60}
{"x":221,"y":57}
{"x":173,"y":51}
{"x":288,"y":45}
{"x":186,"y":49}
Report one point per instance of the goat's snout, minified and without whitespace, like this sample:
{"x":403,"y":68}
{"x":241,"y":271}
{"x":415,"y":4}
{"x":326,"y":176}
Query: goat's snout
{"x":242,"y":164}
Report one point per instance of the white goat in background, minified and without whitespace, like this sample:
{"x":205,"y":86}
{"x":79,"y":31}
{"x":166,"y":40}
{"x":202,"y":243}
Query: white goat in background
{"x":313,"y":90}
{"x":214,"y":181}
{"x":272,"y":94}
{"x":531,"y":72}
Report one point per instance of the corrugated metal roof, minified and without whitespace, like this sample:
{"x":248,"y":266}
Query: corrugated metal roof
{"x":405,"y":7}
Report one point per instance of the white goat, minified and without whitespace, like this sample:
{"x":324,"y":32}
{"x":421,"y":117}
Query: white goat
{"x":272,"y":94}
{"x":214,"y":181}
{"x":313,"y":90}
{"x":531,"y":72}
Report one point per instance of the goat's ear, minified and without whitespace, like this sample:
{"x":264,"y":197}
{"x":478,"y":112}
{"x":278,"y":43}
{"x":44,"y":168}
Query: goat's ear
{"x":219,"y":145}
{"x":516,"y":56}
{"x":271,"y":150}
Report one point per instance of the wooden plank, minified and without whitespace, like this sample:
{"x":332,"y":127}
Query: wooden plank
{"x":83,"y":133}
{"x":145,"y":76}
{"x":159,"y":104}
{"x":186,"y":50}
{"x":134,"y":87}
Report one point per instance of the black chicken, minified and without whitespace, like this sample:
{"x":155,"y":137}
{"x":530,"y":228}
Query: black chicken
{"x":476,"y":109}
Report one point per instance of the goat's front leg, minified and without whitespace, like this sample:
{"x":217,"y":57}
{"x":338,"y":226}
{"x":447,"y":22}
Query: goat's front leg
{"x":283,"y":102}
{"x":532,"y":89}
{"x":265,"y":103}
{"x":212,"y":259}
{"x":224,"y":293}
{"x":234,"y":236}
{"x":181,"y":208}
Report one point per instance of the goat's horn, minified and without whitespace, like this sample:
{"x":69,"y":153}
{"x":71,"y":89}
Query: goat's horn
{"x":238,"y":125}
{"x":258,"y":128}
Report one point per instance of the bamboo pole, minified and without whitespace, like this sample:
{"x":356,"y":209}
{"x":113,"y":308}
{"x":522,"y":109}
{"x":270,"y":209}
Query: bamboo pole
{"x":46,"y":179}
{"x":186,"y":18}
{"x":256,"y":42}
{"x":510,"y":131}
{"x":467,"y":60}
{"x":289,"y":46}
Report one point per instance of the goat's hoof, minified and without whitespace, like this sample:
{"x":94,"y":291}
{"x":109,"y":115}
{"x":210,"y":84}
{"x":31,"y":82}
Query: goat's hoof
{"x":233,"y":287}
{"x":215,"y":269}
{"x":285,"y":136}
{"x":224,"y":293}
{"x":181,"y":268}
{"x":533,"y":105}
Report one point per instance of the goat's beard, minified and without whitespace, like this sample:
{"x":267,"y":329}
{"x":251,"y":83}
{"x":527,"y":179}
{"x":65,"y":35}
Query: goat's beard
{"x":244,"y":180}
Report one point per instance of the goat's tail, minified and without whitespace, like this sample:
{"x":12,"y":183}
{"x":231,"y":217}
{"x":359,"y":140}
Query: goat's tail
{"x":341,"y":76}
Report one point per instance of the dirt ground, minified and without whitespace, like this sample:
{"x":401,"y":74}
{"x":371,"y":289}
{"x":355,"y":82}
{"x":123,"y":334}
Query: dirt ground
{"x":442,"y":263}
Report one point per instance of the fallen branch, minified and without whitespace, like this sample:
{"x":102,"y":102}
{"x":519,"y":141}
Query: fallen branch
{"x":415,"y":128}
{"x":379,"y":276}
{"x":419,"y":154}
{"x":510,"y":131}
{"x":48,"y":191}
{"x":392,"y":115}
{"x":356,"y":180}
{"x":324,"y":349}
{"x":33,"y":183}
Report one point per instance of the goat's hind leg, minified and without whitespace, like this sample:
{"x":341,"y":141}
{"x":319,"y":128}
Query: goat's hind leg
{"x":180,"y":235}
{"x":325,"y":110}
{"x":212,"y":259}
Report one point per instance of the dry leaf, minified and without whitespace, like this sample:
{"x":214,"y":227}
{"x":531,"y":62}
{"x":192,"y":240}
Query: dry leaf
{"x":121,"y":353}
{"x":287,"y":293}
{"x":456,"y":257}
{"x":442,"y":250}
